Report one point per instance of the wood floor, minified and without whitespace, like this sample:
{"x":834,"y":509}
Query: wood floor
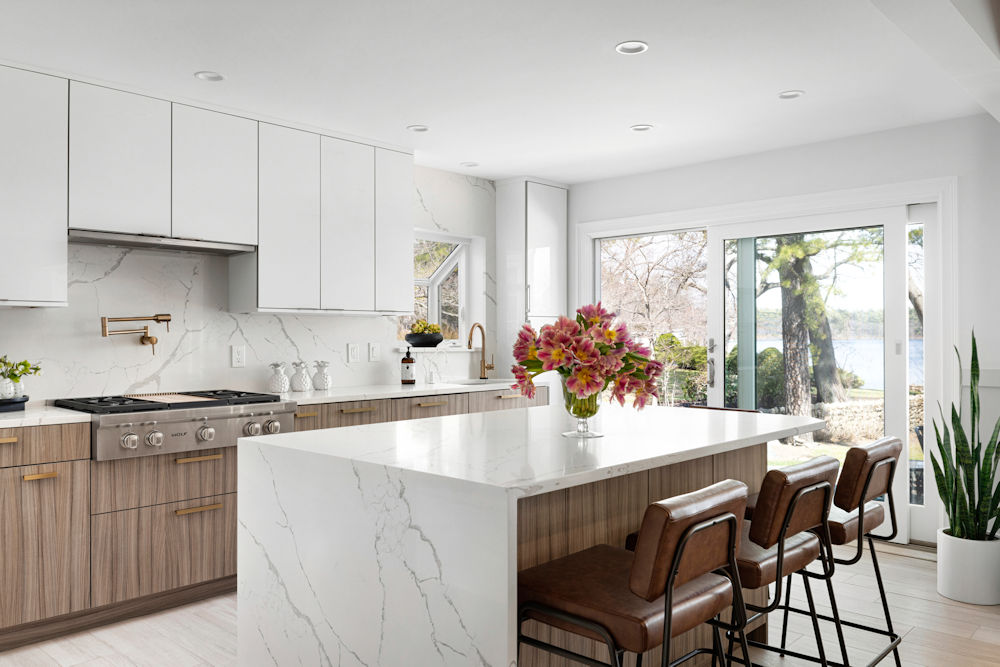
{"x":936,"y":632}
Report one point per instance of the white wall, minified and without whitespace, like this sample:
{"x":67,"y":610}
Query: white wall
{"x":77,"y":361}
{"x":966,"y":148}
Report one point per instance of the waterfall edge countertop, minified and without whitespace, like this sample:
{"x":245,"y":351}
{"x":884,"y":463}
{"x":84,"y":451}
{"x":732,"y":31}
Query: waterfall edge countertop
{"x":524,"y":450}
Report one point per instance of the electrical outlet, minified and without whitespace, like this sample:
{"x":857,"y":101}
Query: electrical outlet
{"x":237,"y":356}
{"x":353,"y":352}
{"x":374,"y":351}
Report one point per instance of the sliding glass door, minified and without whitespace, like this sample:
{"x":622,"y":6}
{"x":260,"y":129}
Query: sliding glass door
{"x":812,"y":317}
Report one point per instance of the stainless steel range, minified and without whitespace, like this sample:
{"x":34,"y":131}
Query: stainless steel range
{"x":148,"y":424}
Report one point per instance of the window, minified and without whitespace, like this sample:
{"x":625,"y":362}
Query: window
{"x":440,"y":269}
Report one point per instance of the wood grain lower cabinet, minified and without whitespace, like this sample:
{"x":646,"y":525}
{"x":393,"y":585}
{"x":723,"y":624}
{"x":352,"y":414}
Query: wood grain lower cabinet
{"x":355,"y":413}
{"x":44,"y":444}
{"x":506,"y":399}
{"x":307,"y":418}
{"x":44,"y":541}
{"x":153,"y":549}
{"x":153,"y":480}
{"x":429,"y":406}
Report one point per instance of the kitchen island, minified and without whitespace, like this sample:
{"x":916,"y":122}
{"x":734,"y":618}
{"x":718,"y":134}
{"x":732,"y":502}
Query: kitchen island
{"x":399,"y":543}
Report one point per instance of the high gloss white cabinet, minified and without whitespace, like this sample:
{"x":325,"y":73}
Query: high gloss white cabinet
{"x":214,"y":176}
{"x":394,"y":202}
{"x":119,"y":161}
{"x":348,"y":225}
{"x":33,"y":121}
{"x":545,"y":262}
{"x":288,"y":254}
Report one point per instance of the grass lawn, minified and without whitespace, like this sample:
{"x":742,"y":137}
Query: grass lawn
{"x":780,"y":455}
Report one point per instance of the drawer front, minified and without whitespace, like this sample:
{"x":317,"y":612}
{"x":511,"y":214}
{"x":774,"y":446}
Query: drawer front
{"x":506,"y":399}
{"x":44,"y":541}
{"x":153,"y":480}
{"x":31,"y":445}
{"x":307,"y":418}
{"x":153,"y":549}
{"x":429,"y":406}
{"x":355,"y":413}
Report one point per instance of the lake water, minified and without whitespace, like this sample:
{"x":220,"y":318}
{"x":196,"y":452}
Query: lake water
{"x":865,"y":359}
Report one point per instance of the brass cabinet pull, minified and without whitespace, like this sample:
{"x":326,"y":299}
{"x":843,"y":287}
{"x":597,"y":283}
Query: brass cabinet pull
{"x":7,"y":441}
{"x":203,"y":508}
{"x":432,"y":404}
{"x":196,"y":459}
{"x":507,"y":397}
{"x":41,"y":475}
{"x":354,"y":411}
{"x":303,"y":415}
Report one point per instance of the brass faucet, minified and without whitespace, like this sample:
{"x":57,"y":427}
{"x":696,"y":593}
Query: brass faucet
{"x":145,"y":339}
{"x":483,"y":366}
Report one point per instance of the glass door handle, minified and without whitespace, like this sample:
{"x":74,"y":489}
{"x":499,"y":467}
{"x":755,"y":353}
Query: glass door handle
{"x":711,"y":372}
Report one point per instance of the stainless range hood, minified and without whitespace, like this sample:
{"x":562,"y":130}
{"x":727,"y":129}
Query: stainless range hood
{"x":157,"y":242}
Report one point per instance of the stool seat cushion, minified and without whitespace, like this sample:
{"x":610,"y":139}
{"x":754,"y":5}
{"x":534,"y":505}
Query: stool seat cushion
{"x":759,"y":566}
{"x":844,"y":525}
{"x":594,"y":584}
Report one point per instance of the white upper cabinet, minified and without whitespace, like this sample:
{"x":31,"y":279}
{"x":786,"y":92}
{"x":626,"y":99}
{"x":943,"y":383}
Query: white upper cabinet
{"x":348,"y":225}
{"x":33,"y":140}
{"x":119,"y":161}
{"x":214,"y":176}
{"x":545,"y":264}
{"x":394,"y":202}
{"x":288,"y":254}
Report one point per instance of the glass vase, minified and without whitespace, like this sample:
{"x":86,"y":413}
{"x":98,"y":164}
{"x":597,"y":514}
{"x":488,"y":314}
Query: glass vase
{"x":582,"y":409}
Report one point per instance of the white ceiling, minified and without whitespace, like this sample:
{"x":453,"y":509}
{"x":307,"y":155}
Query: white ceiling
{"x":524,"y":87}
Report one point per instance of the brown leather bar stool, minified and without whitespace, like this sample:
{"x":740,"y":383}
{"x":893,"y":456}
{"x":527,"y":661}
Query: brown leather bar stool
{"x":682,"y":574}
{"x":867,"y":474}
{"x":788,"y":532}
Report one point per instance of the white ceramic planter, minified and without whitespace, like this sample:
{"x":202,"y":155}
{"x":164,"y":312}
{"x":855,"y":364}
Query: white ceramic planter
{"x":968,"y":570}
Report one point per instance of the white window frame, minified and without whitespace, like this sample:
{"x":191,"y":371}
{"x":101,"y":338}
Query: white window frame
{"x":470,"y":258}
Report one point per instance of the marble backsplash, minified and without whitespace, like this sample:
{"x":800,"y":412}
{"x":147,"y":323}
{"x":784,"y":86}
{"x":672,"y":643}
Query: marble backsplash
{"x":193,"y":288}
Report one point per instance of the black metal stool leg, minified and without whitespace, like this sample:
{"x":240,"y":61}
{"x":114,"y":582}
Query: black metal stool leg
{"x":784,"y":619}
{"x":836,"y":622}
{"x":717,"y":657}
{"x":815,"y":622}
{"x":881,"y":592}
{"x":638,"y":660}
{"x":744,"y":648}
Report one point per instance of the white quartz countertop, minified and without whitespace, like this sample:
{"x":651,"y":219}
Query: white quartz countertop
{"x":379,"y":391}
{"x":522,"y":449}
{"x":41,"y":415}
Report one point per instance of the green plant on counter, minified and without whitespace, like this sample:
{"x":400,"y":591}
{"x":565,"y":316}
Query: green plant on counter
{"x":965,"y":481}
{"x":15,"y":370}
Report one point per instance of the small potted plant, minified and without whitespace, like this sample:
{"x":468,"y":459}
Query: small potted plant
{"x":968,"y":567}
{"x":424,"y":334}
{"x":11,"y":387}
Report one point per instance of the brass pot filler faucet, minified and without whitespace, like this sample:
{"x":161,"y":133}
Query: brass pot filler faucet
{"x":146,"y":339}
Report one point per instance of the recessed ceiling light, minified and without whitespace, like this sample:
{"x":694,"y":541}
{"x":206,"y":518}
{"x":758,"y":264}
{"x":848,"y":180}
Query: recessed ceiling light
{"x":632,"y":47}
{"x":207,"y":75}
{"x":417,"y":128}
{"x":641,"y":127}
{"x":468,"y":164}
{"x":790,"y":94}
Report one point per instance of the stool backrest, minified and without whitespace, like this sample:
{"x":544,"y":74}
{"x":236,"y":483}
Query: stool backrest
{"x":777,"y":492}
{"x":858,"y":465}
{"x":663,"y":528}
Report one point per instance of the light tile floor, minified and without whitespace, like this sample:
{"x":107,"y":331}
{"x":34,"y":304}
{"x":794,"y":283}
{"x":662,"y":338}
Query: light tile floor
{"x":937,"y":632}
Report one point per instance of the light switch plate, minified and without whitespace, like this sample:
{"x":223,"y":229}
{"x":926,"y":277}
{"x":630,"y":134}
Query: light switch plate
{"x":238,"y":356}
{"x":374,"y":351}
{"x":353,"y":353}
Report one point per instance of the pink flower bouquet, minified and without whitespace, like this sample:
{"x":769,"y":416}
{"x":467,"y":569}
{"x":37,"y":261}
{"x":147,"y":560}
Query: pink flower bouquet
{"x":591,"y":353}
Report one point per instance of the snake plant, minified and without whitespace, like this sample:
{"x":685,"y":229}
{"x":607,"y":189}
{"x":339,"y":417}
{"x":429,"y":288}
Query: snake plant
{"x":966,"y":480}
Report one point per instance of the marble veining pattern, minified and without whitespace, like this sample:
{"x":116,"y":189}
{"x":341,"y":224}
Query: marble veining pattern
{"x":343,"y":563}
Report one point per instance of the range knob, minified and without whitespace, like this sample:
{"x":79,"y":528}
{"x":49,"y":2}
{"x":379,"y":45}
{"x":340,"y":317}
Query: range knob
{"x":206,"y":433}
{"x":252,"y":428}
{"x":272,"y":426}
{"x":130,"y":441}
{"x":154,"y":439}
